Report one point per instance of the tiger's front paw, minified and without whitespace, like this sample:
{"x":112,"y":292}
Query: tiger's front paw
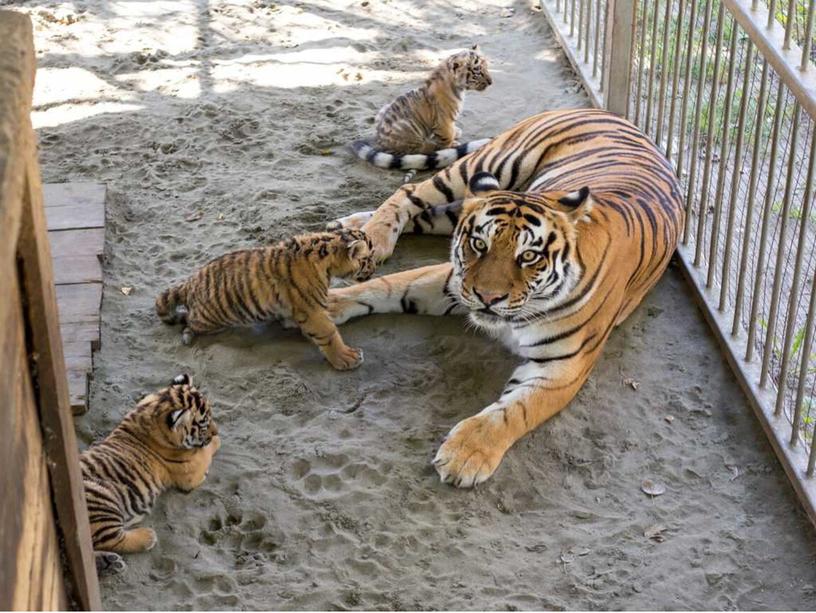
{"x":346,"y":358}
{"x":109,"y":563}
{"x":471,"y":452}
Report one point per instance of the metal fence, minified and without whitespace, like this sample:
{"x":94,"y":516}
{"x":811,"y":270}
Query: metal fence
{"x":727,"y":89}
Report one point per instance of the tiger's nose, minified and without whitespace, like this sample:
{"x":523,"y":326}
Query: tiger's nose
{"x":489,"y":298}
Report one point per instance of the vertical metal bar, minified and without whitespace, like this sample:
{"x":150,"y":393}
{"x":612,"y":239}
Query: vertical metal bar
{"x":794,"y":295}
{"x":572,"y":19}
{"x":675,"y":77}
{"x":653,"y":58}
{"x":588,"y":30}
{"x":597,"y":39}
{"x":771,"y":12}
{"x":808,"y":37}
{"x":661,"y":96}
{"x":770,"y":335}
{"x":723,"y":165}
{"x":681,"y":150}
{"x":749,"y":209}
{"x":695,"y":143}
{"x":735,"y":176}
{"x":641,"y":45}
{"x":605,"y":52}
{"x":763,"y":237}
{"x":580,"y":22}
{"x":812,"y":460}
{"x":789,"y":23}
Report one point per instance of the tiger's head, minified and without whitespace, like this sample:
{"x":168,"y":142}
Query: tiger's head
{"x":514,"y":254}
{"x":469,"y":69}
{"x":177,"y":417}
{"x":356,"y":255}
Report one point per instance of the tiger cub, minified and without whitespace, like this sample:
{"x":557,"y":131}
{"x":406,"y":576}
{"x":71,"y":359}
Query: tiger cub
{"x":418,"y":130}
{"x":288,"y":281}
{"x":168,"y":440}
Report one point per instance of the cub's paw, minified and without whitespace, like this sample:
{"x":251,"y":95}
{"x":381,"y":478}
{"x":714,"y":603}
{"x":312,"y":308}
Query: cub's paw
{"x":109,"y":563}
{"x":471,"y":452}
{"x":347,"y":358}
{"x":355,"y":221}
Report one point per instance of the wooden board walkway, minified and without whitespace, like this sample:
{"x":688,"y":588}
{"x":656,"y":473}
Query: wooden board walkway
{"x":75,"y":214}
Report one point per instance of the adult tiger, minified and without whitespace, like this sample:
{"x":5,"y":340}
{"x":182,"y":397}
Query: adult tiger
{"x":568,"y":219}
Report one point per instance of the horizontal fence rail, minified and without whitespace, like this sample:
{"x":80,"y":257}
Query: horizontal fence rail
{"x":727,"y":89}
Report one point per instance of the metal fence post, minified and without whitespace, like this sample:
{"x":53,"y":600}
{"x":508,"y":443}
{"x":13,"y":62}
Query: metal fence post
{"x":619,"y":53}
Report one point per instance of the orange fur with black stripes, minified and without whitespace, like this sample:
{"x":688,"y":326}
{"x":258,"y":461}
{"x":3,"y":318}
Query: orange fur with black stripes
{"x":167,"y":441}
{"x":288,"y":282}
{"x":418,"y":130}
{"x":560,"y":227}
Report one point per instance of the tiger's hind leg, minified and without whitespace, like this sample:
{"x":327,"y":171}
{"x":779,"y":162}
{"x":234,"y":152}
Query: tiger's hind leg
{"x":119,"y":540}
{"x":109,"y":563}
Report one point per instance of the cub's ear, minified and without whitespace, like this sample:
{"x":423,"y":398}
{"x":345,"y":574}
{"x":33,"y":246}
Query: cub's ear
{"x":173,"y":418}
{"x":357,"y":249}
{"x":183,"y":379}
{"x":580,"y":203}
{"x":475,"y":48}
{"x":482,"y":183}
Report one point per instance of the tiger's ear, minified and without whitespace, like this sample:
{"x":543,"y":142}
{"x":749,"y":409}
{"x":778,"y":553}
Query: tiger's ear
{"x":357,"y":249}
{"x":482,"y":183}
{"x":183,"y":379}
{"x":173,"y":418}
{"x":475,"y":48}
{"x":579,"y":203}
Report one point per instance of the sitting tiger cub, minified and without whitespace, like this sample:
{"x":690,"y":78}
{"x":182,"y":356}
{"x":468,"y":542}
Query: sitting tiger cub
{"x":418,"y":130}
{"x":168,"y":440}
{"x":288,"y":282}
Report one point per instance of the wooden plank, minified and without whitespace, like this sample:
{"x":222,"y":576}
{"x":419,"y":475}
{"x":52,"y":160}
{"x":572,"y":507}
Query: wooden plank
{"x":79,"y":303}
{"x":91,"y":215}
{"x":52,"y":385}
{"x":17,"y":62}
{"x":81,"y":331}
{"x":31,"y":569}
{"x":77,"y":269}
{"x":77,"y":242}
{"x":72,"y":194}
{"x":78,"y":390}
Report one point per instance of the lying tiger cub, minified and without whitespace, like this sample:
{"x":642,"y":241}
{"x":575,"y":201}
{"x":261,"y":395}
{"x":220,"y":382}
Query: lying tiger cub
{"x":418,"y":130}
{"x":288,"y":281}
{"x":168,"y":440}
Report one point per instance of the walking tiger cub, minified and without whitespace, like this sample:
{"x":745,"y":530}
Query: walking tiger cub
{"x":168,"y":440}
{"x":288,"y":281}
{"x":418,"y":130}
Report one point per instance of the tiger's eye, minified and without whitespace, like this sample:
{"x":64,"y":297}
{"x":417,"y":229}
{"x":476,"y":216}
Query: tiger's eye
{"x":529,"y":256}
{"x":478,"y":245}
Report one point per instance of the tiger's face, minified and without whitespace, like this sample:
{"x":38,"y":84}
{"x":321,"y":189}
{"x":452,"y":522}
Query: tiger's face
{"x":360,"y":254}
{"x":177,"y":417}
{"x":470,"y":70}
{"x":514,"y":253}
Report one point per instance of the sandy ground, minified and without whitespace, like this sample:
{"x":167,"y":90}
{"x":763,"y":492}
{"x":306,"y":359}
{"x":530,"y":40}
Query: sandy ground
{"x":219,"y":125}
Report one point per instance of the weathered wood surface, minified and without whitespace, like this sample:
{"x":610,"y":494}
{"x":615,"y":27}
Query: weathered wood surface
{"x":46,"y":559}
{"x":76,"y":220}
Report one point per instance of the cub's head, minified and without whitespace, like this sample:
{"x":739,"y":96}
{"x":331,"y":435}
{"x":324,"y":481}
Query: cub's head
{"x":514,"y":253}
{"x":177,"y":417}
{"x":469,"y":69}
{"x":356,"y":255}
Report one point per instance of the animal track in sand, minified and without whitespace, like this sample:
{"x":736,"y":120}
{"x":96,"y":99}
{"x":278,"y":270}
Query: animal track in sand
{"x":330,"y":473}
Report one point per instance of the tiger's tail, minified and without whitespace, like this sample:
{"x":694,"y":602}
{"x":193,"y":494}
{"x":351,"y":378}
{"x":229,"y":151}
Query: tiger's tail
{"x":170,"y":305}
{"x":414,"y":161}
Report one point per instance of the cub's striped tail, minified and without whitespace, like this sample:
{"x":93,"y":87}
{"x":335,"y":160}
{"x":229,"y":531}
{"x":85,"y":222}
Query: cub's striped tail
{"x":170,"y":305}
{"x":415,"y":161}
